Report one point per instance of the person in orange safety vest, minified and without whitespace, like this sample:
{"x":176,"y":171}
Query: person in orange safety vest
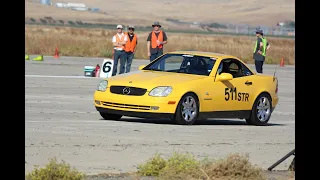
{"x":119,"y":41}
{"x":130,"y":49}
{"x":155,"y":41}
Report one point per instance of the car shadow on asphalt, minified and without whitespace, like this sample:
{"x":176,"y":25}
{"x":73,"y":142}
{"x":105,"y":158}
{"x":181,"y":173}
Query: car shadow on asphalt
{"x":198,"y":122}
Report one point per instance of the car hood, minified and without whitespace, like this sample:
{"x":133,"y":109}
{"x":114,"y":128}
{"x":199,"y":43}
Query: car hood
{"x":151,"y":79}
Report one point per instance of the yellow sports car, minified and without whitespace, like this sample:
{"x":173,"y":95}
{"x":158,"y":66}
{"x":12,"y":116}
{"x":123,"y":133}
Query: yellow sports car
{"x":189,"y":85}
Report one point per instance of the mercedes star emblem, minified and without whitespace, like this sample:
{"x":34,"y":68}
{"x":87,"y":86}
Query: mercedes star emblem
{"x":126,"y":90}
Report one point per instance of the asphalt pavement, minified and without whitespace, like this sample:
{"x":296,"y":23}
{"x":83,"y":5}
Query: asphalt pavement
{"x":61,"y":121}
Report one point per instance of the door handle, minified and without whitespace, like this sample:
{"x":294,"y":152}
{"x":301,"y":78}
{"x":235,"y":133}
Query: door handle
{"x":248,"y":83}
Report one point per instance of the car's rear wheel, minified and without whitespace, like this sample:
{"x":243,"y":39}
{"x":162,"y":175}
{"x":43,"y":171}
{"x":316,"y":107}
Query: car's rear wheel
{"x":261,"y":111}
{"x":108,"y":116}
{"x":188,"y":110}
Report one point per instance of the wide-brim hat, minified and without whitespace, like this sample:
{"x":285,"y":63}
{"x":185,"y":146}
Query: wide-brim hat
{"x":156,"y":24}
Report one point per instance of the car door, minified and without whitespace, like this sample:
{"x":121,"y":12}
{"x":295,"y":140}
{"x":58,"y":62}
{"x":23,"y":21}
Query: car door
{"x":233,"y":95}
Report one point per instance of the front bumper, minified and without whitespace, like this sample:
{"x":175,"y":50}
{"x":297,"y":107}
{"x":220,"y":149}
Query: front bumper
{"x":142,"y":104}
{"x":135,"y":114}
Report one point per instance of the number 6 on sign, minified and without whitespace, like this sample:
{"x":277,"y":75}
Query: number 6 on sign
{"x":107,"y":68}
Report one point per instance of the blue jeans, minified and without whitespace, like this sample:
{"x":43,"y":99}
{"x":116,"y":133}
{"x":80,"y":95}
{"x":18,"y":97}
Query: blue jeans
{"x":259,"y":66}
{"x":117,"y":55}
{"x":128,"y":61}
{"x":154,"y":56}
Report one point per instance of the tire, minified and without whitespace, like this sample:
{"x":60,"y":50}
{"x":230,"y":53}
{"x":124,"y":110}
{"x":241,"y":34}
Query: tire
{"x":263,"y":101}
{"x":183,"y":118}
{"x":108,"y":116}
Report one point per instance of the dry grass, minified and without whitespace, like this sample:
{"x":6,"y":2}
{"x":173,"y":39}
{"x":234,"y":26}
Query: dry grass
{"x":187,"y":167}
{"x":144,"y":12}
{"x":97,"y":43}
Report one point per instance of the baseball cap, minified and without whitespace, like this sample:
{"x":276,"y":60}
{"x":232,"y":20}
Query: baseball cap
{"x":119,"y":26}
{"x":131,"y":26}
{"x":259,"y":30}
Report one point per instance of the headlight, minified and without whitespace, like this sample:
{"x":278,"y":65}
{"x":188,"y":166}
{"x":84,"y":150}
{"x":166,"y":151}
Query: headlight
{"x":161,"y":91}
{"x":103,"y":85}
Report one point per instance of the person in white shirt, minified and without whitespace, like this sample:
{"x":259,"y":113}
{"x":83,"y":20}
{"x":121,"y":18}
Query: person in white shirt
{"x":119,"y":40}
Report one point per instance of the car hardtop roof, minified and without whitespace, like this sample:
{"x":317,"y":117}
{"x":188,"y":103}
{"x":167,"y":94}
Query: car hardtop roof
{"x":203,"y":53}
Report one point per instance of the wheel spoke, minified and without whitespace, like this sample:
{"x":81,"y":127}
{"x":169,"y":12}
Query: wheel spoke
{"x":185,"y":115}
{"x":261,"y":102}
{"x":184,"y":111}
{"x":264,"y":101}
{"x":184,"y":104}
{"x":192,"y":103}
{"x":263,"y":117}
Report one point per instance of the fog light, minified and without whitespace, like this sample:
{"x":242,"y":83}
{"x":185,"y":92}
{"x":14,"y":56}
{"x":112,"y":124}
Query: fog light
{"x":154,"y":107}
{"x":97,"y":102}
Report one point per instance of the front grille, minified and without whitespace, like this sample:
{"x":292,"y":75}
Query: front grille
{"x":126,"y":90}
{"x":126,"y":106}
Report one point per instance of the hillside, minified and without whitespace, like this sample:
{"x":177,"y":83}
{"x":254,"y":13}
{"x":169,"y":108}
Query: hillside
{"x":144,"y":12}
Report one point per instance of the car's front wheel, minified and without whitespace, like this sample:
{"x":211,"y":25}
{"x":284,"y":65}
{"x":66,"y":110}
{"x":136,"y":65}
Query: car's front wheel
{"x":108,"y":116}
{"x":187,"y":110}
{"x":261,"y":111}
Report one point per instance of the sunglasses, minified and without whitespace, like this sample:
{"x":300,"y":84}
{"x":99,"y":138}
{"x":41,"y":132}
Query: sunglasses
{"x":131,"y":29}
{"x":156,"y":26}
{"x":119,"y":28}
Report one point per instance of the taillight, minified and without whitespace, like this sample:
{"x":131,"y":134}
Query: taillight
{"x":277,"y":87}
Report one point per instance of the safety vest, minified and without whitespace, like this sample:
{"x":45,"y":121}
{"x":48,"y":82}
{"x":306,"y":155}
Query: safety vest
{"x":120,"y":39}
{"x":129,"y":47}
{"x":154,"y":39}
{"x":264,"y":42}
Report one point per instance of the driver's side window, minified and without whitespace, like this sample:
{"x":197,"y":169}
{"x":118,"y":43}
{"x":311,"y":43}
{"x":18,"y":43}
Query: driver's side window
{"x":233,"y":67}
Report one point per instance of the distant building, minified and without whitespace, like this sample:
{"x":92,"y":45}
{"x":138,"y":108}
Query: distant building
{"x":45,"y":2}
{"x":80,"y":8}
{"x":61,"y":5}
{"x":95,"y":9}
{"x":76,"y":5}
{"x":280,"y":24}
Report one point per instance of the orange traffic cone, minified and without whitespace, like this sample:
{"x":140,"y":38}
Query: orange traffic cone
{"x":56,"y":53}
{"x":282,"y":62}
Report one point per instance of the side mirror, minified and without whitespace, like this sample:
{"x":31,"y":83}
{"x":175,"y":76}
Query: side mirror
{"x":224,"y":77}
{"x":141,"y":67}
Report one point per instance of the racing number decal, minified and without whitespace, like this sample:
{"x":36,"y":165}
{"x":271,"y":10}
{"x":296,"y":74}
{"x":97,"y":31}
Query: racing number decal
{"x":106,"y":67}
{"x":231,"y":94}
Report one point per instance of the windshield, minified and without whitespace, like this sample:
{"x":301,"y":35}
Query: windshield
{"x":183,"y":63}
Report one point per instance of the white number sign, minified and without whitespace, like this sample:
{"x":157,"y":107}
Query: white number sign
{"x":106,"y":68}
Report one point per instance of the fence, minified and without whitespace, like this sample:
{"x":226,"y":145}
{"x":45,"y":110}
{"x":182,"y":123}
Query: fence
{"x":249,"y":30}
{"x":277,"y":31}
{"x":228,"y":29}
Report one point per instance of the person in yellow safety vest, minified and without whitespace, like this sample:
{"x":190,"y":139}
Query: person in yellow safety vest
{"x":259,"y":50}
{"x":119,"y":40}
{"x":155,"y":42}
{"x":130,"y":49}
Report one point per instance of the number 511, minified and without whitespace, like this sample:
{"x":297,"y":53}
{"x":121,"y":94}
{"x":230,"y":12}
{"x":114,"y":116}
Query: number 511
{"x":234,"y":95}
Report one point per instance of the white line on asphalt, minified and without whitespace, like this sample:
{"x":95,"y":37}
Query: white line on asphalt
{"x":48,"y":76}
